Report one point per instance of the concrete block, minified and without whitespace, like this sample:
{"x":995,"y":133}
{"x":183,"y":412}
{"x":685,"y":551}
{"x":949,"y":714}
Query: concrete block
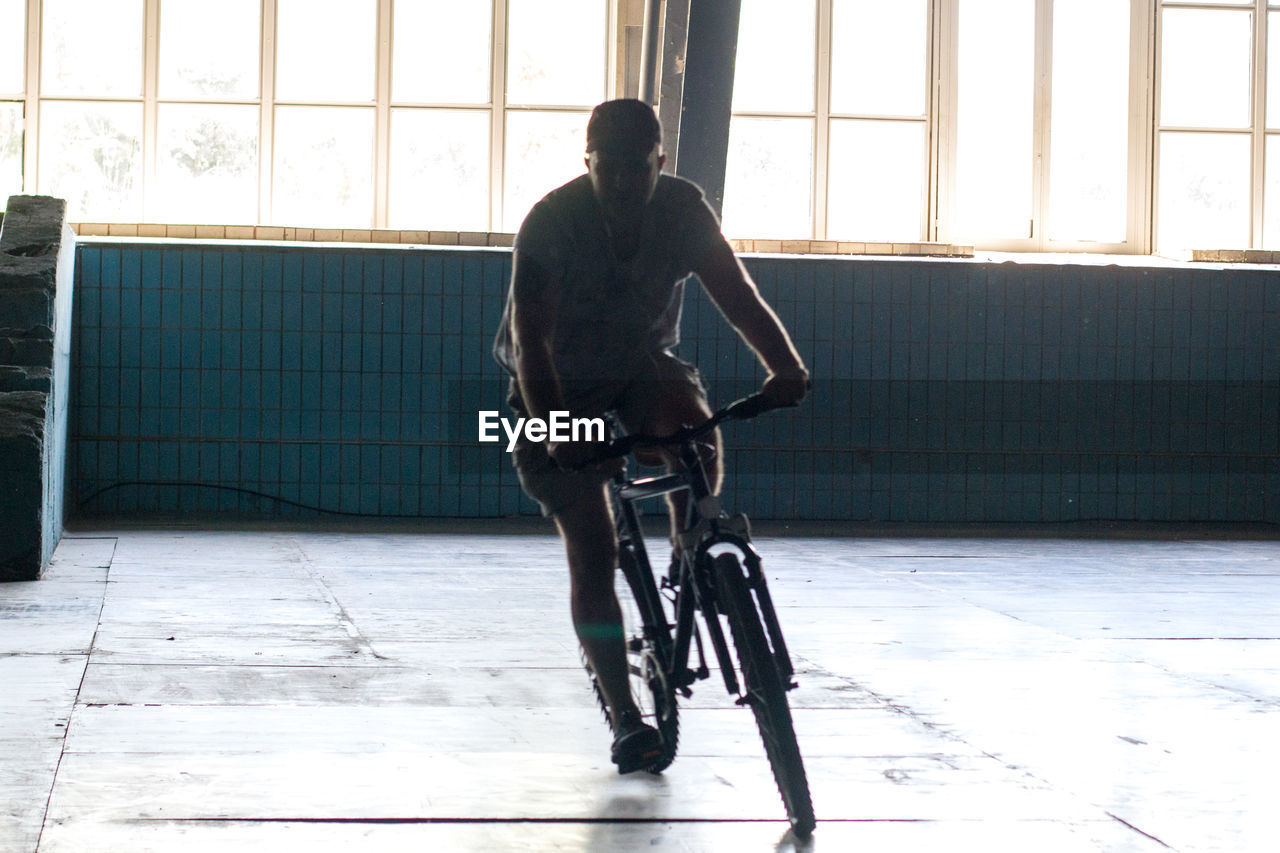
{"x":23,"y":415}
{"x":37,"y":258}
{"x":24,"y":378}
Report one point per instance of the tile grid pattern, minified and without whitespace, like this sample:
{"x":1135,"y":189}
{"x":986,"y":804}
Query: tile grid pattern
{"x":350,"y":378}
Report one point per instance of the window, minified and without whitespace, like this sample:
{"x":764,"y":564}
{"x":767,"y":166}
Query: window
{"x":13,"y":14}
{"x":769,"y":172}
{"x":1049,"y":125}
{"x":1039,"y":111}
{"x":835,"y":137}
{"x":848,"y":143}
{"x":877,"y":157}
{"x":557,"y":69}
{"x":440,"y":119}
{"x":206,"y":162}
{"x":311,"y":113}
{"x":1211,"y":122}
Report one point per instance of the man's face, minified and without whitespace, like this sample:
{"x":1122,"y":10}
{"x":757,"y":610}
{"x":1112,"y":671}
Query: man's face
{"x":624,"y":180}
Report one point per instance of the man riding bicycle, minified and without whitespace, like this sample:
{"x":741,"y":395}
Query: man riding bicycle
{"x":591,"y":317}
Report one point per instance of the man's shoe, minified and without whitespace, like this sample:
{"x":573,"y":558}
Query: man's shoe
{"x":636,"y":745}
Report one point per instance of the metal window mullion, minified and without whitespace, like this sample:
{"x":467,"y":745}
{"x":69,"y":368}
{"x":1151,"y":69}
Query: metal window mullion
{"x":615,"y":44}
{"x":1219,"y":7}
{"x":382,"y":121}
{"x":927,"y":186}
{"x":822,"y":123}
{"x":1042,"y":116}
{"x":946,"y":95}
{"x":497,"y":113}
{"x":1139,"y":233}
{"x":150,"y":107}
{"x":31,"y":107}
{"x":1257,"y":168}
{"x":266,"y":111}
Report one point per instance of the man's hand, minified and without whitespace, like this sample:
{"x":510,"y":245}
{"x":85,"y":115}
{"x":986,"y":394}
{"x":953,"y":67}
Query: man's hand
{"x":786,"y":388}
{"x":573,"y":455}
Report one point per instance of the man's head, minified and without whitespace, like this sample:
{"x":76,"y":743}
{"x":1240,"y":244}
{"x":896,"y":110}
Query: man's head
{"x":624,"y":156}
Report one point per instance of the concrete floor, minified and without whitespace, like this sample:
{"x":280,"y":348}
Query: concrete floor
{"x":183,"y":689}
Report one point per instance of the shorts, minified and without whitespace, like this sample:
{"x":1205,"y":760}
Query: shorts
{"x":660,"y":378}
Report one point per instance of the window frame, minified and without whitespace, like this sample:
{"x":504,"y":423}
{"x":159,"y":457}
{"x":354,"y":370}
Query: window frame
{"x":940,"y":119}
{"x":496,"y":107}
{"x":1257,"y":130}
{"x":822,"y":116}
{"x":1139,"y":186}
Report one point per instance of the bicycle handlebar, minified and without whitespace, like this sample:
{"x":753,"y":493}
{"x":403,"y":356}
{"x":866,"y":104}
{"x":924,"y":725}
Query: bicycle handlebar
{"x":739,"y":410}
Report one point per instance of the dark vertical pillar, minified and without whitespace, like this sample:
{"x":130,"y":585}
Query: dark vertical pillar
{"x":711,"y":53}
{"x":675,"y":30}
{"x":37,"y":252}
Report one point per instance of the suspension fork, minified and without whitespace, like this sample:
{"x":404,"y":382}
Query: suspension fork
{"x":756,"y":581}
{"x":703,"y":586}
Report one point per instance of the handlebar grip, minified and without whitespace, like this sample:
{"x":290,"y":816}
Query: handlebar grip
{"x":749,"y":407}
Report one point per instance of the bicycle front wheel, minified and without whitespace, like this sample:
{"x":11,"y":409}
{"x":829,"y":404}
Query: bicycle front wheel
{"x":765,"y":692}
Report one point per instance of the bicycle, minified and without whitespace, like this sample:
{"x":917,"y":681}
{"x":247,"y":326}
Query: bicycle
{"x":715,"y":572}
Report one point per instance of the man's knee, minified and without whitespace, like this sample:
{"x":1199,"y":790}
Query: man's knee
{"x":586,"y":526}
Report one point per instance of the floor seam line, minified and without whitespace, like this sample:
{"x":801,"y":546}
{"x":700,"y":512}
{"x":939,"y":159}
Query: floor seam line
{"x":88,"y":657}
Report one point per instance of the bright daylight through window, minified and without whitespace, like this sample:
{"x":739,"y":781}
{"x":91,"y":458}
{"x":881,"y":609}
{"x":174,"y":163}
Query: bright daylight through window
{"x":12,"y":69}
{"x":427,"y":129}
{"x":1020,"y":125}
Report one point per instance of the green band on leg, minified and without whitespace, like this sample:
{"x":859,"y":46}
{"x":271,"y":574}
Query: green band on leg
{"x":599,"y":630}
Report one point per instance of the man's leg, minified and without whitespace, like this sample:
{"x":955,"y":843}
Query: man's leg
{"x":586,"y":526}
{"x":679,"y":408}
{"x":668,"y":397}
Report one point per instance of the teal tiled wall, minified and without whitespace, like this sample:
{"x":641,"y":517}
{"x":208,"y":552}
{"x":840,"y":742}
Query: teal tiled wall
{"x":281,"y":380}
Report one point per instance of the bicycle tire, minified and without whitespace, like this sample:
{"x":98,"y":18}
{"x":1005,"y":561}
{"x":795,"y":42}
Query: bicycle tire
{"x":653,"y":694}
{"x":764,"y":692}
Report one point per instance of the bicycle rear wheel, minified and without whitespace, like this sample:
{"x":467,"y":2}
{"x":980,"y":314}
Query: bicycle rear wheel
{"x":765,"y":692}
{"x":653,"y":694}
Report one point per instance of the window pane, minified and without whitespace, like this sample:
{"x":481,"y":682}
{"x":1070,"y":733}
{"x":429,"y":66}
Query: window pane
{"x":875,"y":180}
{"x":440,"y":169}
{"x":1204,"y":68}
{"x":207,"y":164}
{"x":1089,"y":137}
{"x":90,"y":154}
{"x":878,"y":57}
{"x":441,"y":52}
{"x":323,"y":167}
{"x":209,"y":55}
{"x":544,"y":150}
{"x":1271,"y":216}
{"x":774,"y":71}
{"x":1204,"y":191}
{"x":13,"y":42}
{"x":1273,"y":69}
{"x":327,"y":50}
{"x":994,"y":126}
{"x":10,"y":150}
{"x":556,"y":52}
{"x":768,"y":179}
{"x":92,"y":47}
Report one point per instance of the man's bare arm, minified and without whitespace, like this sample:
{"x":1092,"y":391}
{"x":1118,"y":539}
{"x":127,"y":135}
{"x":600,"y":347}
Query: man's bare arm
{"x":735,"y":294}
{"x":533,"y":327}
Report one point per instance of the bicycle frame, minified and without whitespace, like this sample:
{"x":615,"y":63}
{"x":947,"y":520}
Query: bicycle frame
{"x":705,"y":526}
